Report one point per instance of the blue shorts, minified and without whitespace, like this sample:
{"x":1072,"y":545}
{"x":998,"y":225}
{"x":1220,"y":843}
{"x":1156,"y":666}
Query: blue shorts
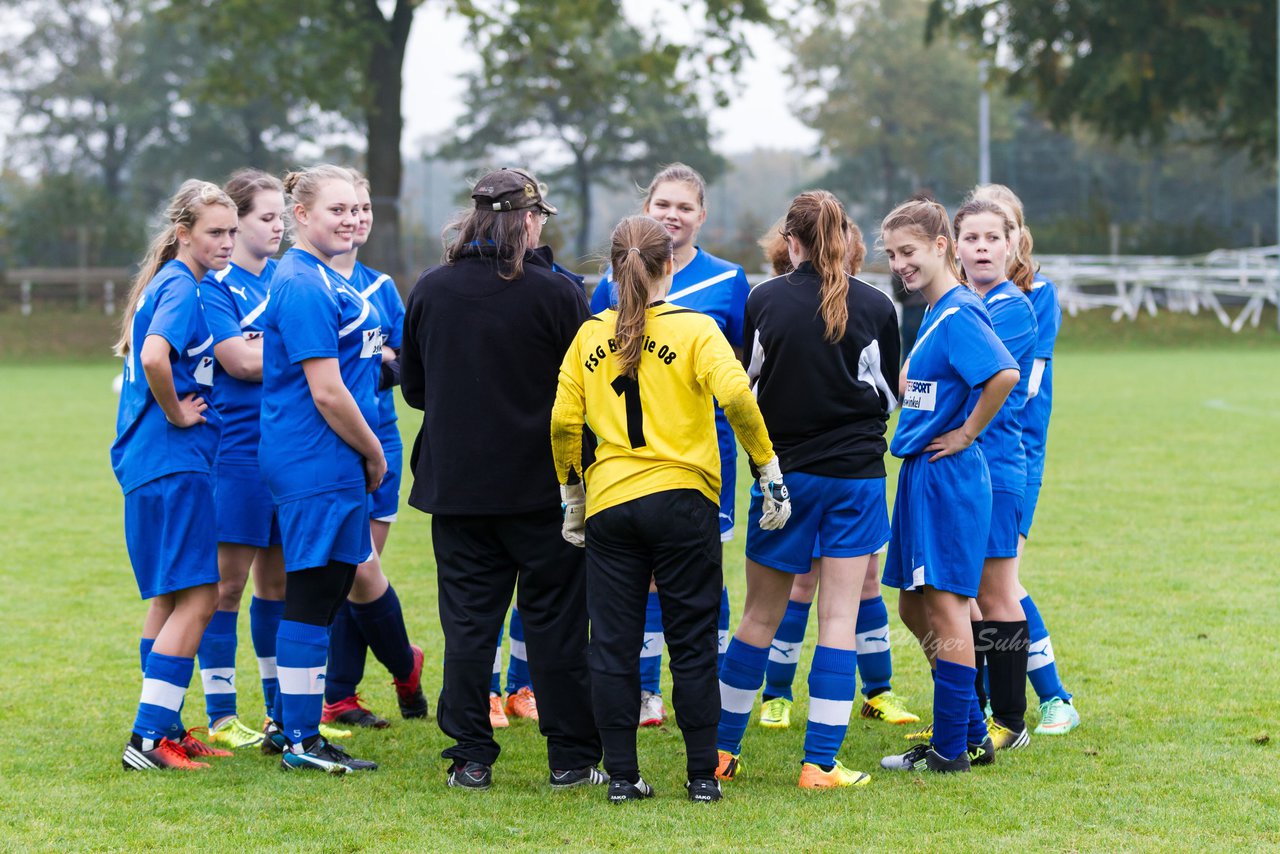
{"x":384,"y":502}
{"x":941,"y":518}
{"x":1029,"y":502}
{"x":167,"y":530}
{"x":326,"y":527}
{"x":243,"y":507}
{"x":728,"y":479}
{"x":830,"y":516}
{"x":1006,"y":518}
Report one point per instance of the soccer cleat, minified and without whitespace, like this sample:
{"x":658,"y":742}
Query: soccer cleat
{"x":923,"y":757}
{"x":497,"y":717}
{"x":622,"y":791}
{"x":234,"y":734}
{"x":522,"y":704}
{"x":470,"y":775}
{"x":323,"y":756}
{"x":925,"y":734}
{"x":194,"y":747}
{"x":349,"y":711}
{"x":332,"y":732}
{"x":163,"y":755}
{"x":727,"y":765}
{"x":409,"y":692}
{"x":775,"y":713}
{"x":703,"y":790}
{"x":1057,"y":717}
{"x":273,"y":741}
{"x":652,"y":711}
{"x":886,"y":707}
{"x":1006,"y":739}
{"x":574,"y":777}
{"x":982,"y":754}
{"x":813,"y":777}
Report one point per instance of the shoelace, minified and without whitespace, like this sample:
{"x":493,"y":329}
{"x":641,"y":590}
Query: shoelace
{"x":173,"y":752}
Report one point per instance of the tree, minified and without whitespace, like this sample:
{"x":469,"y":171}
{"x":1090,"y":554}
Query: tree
{"x":892,"y":112}
{"x":576,"y":86}
{"x":1135,"y":69}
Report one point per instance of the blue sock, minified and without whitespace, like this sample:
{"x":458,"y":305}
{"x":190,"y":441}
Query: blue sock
{"x":1042,"y":672}
{"x":264,"y":625}
{"x":518,"y":661}
{"x":301,"y":649}
{"x":651,"y":652}
{"x":722,"y":628}
{"x":875,"y":661}
{"x":495,"y":683}
{"x":784,"y":652}
{"x":740,"y":679}
{"x":977,"y":730}
{"x":347,"y":650}
{"x":382,"y":623}
{"x":833,"y":683}
{"x":953,"y":699}
{"x":144,"y":649}
{"x":218,"y":665}
{"x":164,"y":683}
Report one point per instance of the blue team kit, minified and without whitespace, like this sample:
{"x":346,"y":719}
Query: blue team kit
{"x":1035,"y":423}
{"x":379,"y":289}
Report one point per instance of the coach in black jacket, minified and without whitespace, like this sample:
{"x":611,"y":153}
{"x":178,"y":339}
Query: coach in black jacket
{"x":484,"y":335}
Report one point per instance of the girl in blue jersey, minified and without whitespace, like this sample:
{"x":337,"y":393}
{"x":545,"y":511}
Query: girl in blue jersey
{"x":319,"y":453}
{"x":982,"y":231}
{"x":371,"y":618}
{"x":875,"y":658}
{"x":1058,"y":715}
{"x":823,"y":348}
{"x":166,"y":439}
{"x":233,"y":300}
{"x":942,"y":512}
{"x":676,"y":197}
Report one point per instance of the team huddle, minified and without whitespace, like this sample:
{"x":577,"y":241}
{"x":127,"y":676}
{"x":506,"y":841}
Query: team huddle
{"x":263,"y":390}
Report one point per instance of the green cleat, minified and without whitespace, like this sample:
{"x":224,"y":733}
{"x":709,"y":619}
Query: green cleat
{"x":234,"y":734}
{"x":1057,"y":717}
{"x":775,"y":713}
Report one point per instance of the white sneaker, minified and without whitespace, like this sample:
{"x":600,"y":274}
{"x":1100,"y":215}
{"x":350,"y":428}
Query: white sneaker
{"x":652,"y":711}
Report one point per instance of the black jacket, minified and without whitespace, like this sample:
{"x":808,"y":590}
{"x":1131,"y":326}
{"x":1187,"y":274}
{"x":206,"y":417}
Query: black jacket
{"x":481,"y":358}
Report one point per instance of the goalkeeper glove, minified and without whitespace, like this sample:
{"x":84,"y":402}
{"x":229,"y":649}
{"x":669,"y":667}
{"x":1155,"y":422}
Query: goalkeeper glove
{"x":573,"y":501}
{"x":777,"y":503}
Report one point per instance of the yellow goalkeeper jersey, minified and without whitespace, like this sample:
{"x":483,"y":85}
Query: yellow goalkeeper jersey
{"x":656,"y":431}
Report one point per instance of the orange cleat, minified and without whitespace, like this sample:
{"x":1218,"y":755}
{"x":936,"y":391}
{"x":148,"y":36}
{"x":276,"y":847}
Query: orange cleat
{"x":497,"y":717}
{"x":522,"y":704}
{"x":164,"y":755}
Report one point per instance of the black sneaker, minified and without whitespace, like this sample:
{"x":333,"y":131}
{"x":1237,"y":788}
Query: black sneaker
{"x":571,"y":779}
{"x":704,"y":790}
{"x":273,"y":741}
{"x":621,"y":791}
{"x":470,"y":775}
{"x":934,"y":762}
{"x":324,"y":756}
{"x":912,"y":760}
{"x":983,"y":754}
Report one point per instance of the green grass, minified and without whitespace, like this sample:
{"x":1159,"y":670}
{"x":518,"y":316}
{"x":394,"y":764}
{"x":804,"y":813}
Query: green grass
{"x":1152,"y":561}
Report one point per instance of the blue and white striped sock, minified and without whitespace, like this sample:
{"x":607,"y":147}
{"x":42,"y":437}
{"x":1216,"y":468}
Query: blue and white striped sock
{"x":1042,"y":670}
{"x":517,"y":661}
{"x":953,"y":700}
{"x":740,"y":679}
{"x":301,"y":650}
{"x":722,"y":628}
{"x":264,"y":625}
{"x":784,"y":652}
{"x":875,"y":661}
{"x":833,"y":683}
{"x":495,"y":682}
{"x":164,"y":684}
{"x":218,"y":665}
{"x":651,"y":652}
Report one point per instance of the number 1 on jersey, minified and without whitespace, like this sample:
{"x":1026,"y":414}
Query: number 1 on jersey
{"x":628,"y":388}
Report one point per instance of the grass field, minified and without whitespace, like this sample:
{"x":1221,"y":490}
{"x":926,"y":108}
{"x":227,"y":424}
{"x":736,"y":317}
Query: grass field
{"x":1152,"y":561}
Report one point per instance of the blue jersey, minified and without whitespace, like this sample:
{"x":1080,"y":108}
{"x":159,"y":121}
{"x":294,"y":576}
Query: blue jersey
{"x":1035,"y":426}
{"x":147,"y":446}
{"x":380,"y":290}
{"x":313,"y":314}
{"x":956,"y":351}
{"x":234,"y":300}
{"x":1015,"y":324}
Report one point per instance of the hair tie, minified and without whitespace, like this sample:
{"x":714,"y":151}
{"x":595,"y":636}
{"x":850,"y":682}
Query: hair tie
{"x":635,"y":249}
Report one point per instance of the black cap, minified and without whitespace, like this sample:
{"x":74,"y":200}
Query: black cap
{"x":510,"y":190}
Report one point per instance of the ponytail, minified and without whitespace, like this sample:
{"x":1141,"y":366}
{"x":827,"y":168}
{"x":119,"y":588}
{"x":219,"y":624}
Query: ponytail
{"x":817,"y":220}
{"x":639,"y":250}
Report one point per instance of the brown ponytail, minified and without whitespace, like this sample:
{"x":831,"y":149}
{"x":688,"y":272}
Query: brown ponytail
{"x":639,"y":251}
{"x":817,"y":220}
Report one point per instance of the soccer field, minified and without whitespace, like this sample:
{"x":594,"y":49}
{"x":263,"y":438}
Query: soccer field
{"x":1152,"y":560}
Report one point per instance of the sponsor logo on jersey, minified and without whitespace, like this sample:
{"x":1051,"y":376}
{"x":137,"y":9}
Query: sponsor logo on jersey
{"x":204,"y":371}
{"x":920,"y":394}
{"x":372,"y":345}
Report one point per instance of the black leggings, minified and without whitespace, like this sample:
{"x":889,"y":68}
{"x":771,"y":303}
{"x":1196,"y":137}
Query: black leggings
{"x":313,"y":596}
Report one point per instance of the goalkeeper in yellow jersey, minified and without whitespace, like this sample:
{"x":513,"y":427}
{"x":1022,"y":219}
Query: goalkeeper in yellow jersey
{"x":644,"y":377}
